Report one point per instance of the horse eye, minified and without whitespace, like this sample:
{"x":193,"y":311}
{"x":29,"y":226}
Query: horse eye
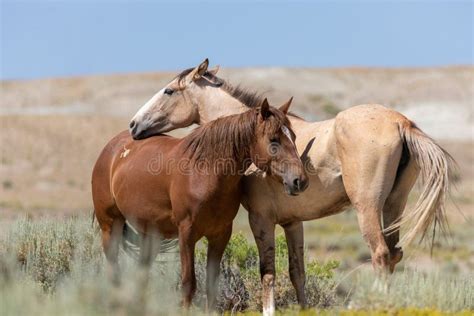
{"x":275,"y":140}
{"x":169,"y":91}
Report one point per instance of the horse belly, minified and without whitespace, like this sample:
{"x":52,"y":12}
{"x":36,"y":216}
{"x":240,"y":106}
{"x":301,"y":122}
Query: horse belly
{"x":324,"y":196}
{"x":316,"y":202}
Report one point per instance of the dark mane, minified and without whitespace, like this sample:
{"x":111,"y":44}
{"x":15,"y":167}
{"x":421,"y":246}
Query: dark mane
{"x":251,"y":99}
{"x":230,"y":137}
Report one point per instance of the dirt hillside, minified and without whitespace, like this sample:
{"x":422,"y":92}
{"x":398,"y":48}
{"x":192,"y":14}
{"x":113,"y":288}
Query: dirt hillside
{"x":53,"y":129}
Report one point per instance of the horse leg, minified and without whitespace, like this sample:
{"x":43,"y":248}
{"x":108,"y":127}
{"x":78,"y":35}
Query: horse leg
{"x":263,"y":231}
{"x":368,"y":180}
{"x":394,"y":207}
{"x":112,"y":228}
{"x":187,"y":243}
{"x":149,"y":248}
{"x":295,"y":242}
{"x":215,"y":251}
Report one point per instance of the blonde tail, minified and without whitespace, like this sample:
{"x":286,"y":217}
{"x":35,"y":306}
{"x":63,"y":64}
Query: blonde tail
{"x":435,"y":166}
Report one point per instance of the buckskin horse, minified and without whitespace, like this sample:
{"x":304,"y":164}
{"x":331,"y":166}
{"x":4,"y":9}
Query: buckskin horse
{"x":191,"y":187}
{"x":368,"y":156}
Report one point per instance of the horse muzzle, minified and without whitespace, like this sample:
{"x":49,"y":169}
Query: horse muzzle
{"x":137,"y":130}
{"x":295,"y":185}
{"x":141,"y":131}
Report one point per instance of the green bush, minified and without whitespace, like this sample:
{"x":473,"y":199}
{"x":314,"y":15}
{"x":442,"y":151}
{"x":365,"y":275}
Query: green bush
{"x":240,"y":281}
{"x":56,"y":267}
{"x":50,"y":251}
{"x":46,"y":249}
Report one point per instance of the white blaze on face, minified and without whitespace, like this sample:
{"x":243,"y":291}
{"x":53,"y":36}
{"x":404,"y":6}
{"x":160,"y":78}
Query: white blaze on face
{"x":287,"y":132}
{"x":147,"y":107}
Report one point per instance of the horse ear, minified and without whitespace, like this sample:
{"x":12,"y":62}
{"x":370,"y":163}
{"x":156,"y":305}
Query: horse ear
{"x":264,"y":109}
{"x":198,"y":72}
{"x":284,"y":108}
{"x":214,"y":70}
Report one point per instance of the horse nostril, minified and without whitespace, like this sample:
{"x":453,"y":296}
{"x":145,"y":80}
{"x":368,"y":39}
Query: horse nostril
{"x":132,"y":124}
{"x":296,"y":183}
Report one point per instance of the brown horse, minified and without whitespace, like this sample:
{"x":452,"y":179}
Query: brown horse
{"x":369,"y":157}
{"x":191,"y":187}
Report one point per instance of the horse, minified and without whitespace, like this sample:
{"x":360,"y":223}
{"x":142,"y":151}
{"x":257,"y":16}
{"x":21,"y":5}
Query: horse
{"x":368,"y":156}
{"x":191,"y":187}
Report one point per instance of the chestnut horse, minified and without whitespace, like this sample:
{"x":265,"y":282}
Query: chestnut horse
{"x":368,"y":156}
{"x":191,"y":187}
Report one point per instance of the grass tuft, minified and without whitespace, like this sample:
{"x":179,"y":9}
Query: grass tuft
{"x":56,"y":267}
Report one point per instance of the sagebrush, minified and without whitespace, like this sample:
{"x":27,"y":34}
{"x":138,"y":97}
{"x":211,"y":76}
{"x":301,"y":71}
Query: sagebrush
{"x":52,"y":266}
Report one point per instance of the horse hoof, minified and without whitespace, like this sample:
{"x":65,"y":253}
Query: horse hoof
{"x":396,"y":257}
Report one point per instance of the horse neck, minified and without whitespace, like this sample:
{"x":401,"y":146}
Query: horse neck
{"x":214,"y":103}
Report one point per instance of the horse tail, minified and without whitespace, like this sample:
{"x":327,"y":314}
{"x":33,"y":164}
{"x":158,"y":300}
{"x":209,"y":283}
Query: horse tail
{"x":435,"y":166}
{"x":132,"y":240}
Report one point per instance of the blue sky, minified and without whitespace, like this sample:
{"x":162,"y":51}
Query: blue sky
{"x":65,"y":38}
